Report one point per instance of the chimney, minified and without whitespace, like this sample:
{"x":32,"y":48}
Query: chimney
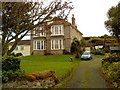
{"x":73,"y":20}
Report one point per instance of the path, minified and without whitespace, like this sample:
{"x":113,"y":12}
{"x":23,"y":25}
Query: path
{"x":87,"y":75}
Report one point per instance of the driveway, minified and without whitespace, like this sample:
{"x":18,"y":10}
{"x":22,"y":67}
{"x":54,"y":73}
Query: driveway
{"x":87,"y":75}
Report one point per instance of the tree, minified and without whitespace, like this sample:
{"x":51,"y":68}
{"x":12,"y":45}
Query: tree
{"x":75,"y":47}
{"x":113,"y":22}
{"x":19,"y":18}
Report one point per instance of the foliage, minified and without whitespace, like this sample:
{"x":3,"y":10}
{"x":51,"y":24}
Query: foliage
{"x":113,"y":72}
{"x":11,"y":75}
{"x":10,"y":63}
{"x":97,"y":51}
{"x":19,"y":18}
{"x":113,"y":22}
{"x":107,"y":49}
{"x":18,"y":54}
{"x":65,"y":52}
{"x":76,"y":48}
{"x":111,"y":58}
{"x":111,"y":67}
{"x":10,"y":68}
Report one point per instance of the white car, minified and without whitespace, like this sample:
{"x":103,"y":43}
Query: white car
{"x":86,"y":55}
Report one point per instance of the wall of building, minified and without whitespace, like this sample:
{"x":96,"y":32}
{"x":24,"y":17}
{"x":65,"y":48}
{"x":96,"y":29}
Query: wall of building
{"x":25,"y":51}
{"x":69,"y":34}
{"x":74,"y":33}
{"x":39,"y":52}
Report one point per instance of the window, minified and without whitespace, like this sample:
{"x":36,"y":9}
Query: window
{"x":16,"y":48}
{"x":57,"y":44}
{"x":22,"y":47}
{"x":39,"y":31}
{"x":57,"y":30}
{"x":39,"y":45}
{"x":42,"y":31}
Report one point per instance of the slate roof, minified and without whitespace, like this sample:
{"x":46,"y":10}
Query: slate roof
{"x":23,"y":42}
{"x":59,"y":21}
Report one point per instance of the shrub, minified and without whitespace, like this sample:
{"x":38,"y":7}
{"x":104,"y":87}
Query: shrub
{"x":10,"y":68}
{"x":10,"y":75}
{"x":18,"y":54}
{"x":10,"y":63}
{"x":111,"y":58}
{"x":65,"y":52}
{"x":107,"y":49}
{"x":105,"y":66}
{"x":97,"y":52}
{"x":114,"y":72}
{"x":77,"y":55}
{"x":13,"y":54}
{"x":111,"y":66}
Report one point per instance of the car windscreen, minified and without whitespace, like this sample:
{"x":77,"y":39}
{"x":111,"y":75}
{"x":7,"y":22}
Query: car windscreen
{"x":86,"y":53}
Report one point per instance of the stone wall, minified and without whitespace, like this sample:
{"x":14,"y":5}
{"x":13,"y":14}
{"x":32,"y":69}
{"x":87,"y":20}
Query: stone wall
{"x":56,"y":52}
{"x":38,"y":52}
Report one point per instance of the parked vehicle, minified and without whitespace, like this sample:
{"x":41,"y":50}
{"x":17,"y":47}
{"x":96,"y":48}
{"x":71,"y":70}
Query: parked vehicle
{"x":86,"y":55}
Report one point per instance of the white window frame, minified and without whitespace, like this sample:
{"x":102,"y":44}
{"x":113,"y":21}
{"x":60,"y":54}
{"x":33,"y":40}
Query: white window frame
{"x":39,"y":34}
{"x":42,"y":44}
{"x":57,"y":44}
{"x":57,"y":30}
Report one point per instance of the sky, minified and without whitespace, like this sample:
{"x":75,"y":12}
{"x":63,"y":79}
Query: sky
{"x":91,"y":14}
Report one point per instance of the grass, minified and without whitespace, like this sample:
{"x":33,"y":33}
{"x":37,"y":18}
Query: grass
{"x":99,"y":56}
{"x":59,"y":63}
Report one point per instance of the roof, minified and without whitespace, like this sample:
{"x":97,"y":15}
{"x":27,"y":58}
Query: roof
{"x":59,"y":21}
{"x":23,"y":42}
{"x":114,"y":47}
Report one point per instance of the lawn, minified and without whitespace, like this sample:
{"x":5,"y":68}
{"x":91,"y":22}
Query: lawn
{"x":59,"y":63}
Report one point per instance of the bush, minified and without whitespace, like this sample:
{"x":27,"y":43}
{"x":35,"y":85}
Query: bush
{"x":75,"y":47}
{"x":65,"y":52}
{"x":10,"y":68}
{"x":111,"y":66}
{"x":97,"y":52}
{"x":114,"y":72}
{"x":10,"y":75}
{"x":77,"y":55}
{"x":111,"y":58}
{"x":18,"y":54}
{"x":10,"y":63}
{"x":105,"y":66}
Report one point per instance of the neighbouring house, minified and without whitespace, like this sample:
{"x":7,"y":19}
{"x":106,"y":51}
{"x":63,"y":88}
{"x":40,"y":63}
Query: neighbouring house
{"x":99,"y":47}
{"x":22,"y":47}
{"x":115,"y":49}
{"x":54,"y":37}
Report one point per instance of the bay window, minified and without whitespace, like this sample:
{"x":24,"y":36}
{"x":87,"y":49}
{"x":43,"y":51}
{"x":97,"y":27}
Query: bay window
{"x":57,"y":44}
{"x":39,"y":45}
{"x":57,"y":30}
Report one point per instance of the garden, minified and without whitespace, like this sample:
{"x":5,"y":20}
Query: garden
{"x":111,"y":69}
{"x":60,"y":64}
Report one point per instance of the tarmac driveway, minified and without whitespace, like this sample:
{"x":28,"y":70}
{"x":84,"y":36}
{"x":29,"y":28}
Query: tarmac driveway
{"x":87,"y":75}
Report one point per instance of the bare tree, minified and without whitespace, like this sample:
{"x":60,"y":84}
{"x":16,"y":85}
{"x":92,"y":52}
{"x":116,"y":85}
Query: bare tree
{"x":19,"y":18}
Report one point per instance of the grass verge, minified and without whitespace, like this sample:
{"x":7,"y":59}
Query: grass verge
{"x":99,"y":56}
{"x":67,"y":76}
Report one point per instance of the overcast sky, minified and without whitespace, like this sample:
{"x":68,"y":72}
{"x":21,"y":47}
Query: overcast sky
{"x":91,"y":14}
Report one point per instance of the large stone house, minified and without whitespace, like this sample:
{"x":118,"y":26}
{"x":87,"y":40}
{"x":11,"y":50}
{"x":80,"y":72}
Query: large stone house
{"x":54,"y":37}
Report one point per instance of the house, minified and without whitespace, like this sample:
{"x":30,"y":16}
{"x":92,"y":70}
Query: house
{"x":54,"y":37}
{"x":115,"y":49}
{"x":22,"y":47}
